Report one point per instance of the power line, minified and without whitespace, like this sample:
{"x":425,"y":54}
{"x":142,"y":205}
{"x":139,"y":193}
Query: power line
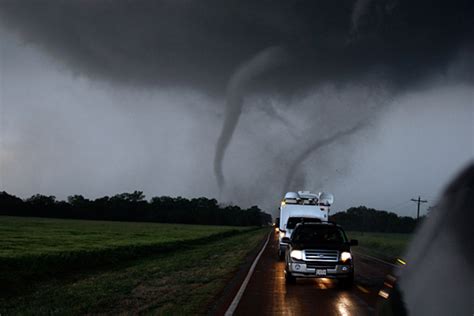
{"x":418,"y":201}
{"x":391,"y":208}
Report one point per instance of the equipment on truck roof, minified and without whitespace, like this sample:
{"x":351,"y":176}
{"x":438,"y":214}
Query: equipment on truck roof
{"x":308,"y":198}
{"x":302,"y":206}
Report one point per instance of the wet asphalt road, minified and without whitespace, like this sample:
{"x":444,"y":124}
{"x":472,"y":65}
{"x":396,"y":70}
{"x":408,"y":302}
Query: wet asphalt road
{"x":268,"y":294}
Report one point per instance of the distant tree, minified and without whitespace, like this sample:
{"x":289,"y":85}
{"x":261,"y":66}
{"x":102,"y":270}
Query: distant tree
{"x":39,"y":200}
{"x":10,"y":204}
{"x":78,"y":201}
{"x":134,"y":207}
{"x":135,"y":196}
{"x":367,"y":219}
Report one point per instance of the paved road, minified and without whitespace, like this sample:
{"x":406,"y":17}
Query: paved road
{"x":268,"y":294}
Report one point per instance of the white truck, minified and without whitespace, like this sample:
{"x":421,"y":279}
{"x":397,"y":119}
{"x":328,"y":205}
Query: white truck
{"x":301,"y":206}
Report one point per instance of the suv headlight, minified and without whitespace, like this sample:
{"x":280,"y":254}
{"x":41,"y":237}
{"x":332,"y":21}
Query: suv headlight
{"x":346,"y":256}
{"x":296,"y":254}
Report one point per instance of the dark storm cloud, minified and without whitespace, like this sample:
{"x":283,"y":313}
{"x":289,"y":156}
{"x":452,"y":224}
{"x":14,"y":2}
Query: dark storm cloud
{"x":200,"y":44}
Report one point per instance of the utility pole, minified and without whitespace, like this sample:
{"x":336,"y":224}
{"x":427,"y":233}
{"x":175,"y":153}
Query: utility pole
{"x":418,"y":201}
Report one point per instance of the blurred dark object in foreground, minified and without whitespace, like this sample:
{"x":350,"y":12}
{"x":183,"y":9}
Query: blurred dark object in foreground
{"x":437,"y":277}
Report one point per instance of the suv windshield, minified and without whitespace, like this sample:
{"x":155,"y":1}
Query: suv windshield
{"x":292,"y":221}
{"x":321,"y":234}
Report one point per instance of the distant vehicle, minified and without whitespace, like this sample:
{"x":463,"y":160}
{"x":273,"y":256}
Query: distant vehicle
{"x":303,"y":206}
{"x":319,"y":250}
{"x":277,"y":225}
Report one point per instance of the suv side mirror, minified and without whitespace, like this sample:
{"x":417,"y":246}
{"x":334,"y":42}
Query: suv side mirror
{"x":286,"y":240}
{"x":354,"y":242}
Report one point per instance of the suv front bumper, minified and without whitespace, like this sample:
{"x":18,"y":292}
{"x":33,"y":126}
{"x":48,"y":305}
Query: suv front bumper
{"x":310,"y":269}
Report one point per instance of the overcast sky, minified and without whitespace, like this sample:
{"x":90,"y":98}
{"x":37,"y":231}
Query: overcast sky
{"x":68,"y":130}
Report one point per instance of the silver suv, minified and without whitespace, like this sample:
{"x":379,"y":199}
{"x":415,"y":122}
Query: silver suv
{"x":319,"y":250}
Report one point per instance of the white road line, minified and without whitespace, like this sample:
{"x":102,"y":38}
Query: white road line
{"x":233,"y":306}
{"x":376,"y":259}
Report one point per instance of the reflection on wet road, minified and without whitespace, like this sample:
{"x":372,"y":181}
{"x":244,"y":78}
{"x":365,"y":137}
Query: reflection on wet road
{"x":267,"y":292}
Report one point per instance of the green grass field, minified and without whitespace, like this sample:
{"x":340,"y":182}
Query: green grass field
{"x":183,"y":280}
{"x":37,"y":237}
{"x":383,"y":245}
{"x":44,"y":255}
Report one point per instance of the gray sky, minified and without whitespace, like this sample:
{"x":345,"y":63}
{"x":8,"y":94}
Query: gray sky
{"x":67,"y":130}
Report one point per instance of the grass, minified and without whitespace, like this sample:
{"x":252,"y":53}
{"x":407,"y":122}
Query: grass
{"x":33,"y":249}
{"x":184,"y":281}
{"x":385,"y":245}
{"x":20,"y":237}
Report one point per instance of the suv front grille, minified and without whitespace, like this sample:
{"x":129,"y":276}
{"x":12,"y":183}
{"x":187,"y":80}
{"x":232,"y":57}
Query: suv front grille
{"x":321,"y":255}
{"x":324,"y":265}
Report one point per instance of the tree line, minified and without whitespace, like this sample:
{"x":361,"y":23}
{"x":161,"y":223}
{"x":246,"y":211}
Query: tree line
{"x":134,"y":207}
{"x":371,"y":220}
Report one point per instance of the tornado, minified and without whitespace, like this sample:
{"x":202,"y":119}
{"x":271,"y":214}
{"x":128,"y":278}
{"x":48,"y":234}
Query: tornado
{"x":293,"y":168}
{"x":236,"y":87}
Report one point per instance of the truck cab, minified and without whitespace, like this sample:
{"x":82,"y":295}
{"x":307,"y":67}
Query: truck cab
{"x":298,"y":207}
